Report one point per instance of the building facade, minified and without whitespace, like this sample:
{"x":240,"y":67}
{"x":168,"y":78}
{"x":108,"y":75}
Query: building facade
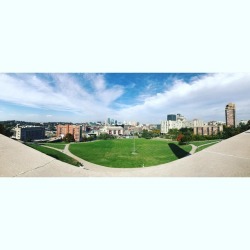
{"x":208,"y":130}
{"x":230,"y":115}
{"x":75,"y":130}
{"x":178,"y":124}
{"x":167,"y":125}
{"x":171,"y":117}
{"x":112,"y":130}
{"x":28,"y":133}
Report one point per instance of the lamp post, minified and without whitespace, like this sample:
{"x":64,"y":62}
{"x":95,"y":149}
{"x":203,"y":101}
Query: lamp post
{"x":134,"y":142}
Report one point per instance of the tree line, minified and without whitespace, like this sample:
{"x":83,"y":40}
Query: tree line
{"x":184,"y":135}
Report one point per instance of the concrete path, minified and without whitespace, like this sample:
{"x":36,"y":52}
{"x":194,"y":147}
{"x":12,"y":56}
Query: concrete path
{"x":193,"y":149}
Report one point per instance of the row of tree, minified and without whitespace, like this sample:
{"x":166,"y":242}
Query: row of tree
{"x":186,"y":135}
{"x":183,"y":135}
{"x":148,"y":134}
{"x":70,"y":138}
{"x":6,"y":130}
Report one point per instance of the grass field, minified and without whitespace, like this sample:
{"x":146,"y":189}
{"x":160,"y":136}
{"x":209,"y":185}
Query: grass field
{"x":55,"y":145}
{"x":55,"y":154}
{"x":118,"y":153}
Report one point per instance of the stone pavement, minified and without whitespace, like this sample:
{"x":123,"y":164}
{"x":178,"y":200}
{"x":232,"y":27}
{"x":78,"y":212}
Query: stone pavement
{"x":228,"y":158}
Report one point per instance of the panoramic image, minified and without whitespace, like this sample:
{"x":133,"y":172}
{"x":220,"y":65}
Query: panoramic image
{"x":124,"y":124}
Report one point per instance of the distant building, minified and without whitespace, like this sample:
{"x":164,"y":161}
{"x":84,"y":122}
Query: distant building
{"x":28,"y":133}
{"x":171,"y":117}
{"x":180,"y":117}
{"x":230,"y":115}
{"x":208,"y":130}
{"x":243,"y":122}
{"x":75,"y":130}
{"x":216,"y":123}
{"x":167,"y":125}
{"x":179,"y":123}
{"x":112,"y":130}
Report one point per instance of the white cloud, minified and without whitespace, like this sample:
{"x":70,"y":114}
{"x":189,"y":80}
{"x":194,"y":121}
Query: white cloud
{"x":102,"y":93}
{"x":66,"y":94}
{"x":203,"y":98}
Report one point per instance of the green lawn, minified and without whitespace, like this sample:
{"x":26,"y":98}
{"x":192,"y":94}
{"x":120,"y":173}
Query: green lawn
{"x":118,"y":153}
{"x":55,"y":154}
{"x":55,"y":145}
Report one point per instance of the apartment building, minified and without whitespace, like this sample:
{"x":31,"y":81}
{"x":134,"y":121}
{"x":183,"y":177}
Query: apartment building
{"x":179,"y":123}
{"x":28,"y":133}
{"x":208,"y":130}
{"x":75,"y":130}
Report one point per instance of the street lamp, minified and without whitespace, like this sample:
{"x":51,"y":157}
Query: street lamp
{"x":134,"y":143}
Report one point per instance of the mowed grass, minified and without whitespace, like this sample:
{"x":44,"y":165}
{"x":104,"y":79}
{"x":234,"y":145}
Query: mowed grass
{"x":55,"y":145}
{"x":118,"y":153}
{"x":55,"y":154}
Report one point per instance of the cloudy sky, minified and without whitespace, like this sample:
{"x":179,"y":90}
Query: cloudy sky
{"x":143,"y":97}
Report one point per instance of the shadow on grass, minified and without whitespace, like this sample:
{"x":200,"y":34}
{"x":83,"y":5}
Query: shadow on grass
{"x":179,"y":152}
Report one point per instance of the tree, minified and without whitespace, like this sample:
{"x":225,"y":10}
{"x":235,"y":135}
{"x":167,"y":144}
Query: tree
{"x":179,"y":137}
{"x":5,"y":130}
{"x":105,"y":136}
{"x":156,"y":132}
{"x":146,"y":134}
{"x":2,"y":129}
{"x":184,"y":138}
{"x":186,"y":130}
{"x":68,"y":138}
{"x":173,"y":133}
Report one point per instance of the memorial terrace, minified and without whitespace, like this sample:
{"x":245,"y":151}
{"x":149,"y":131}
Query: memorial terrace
{"x":228,"y":158}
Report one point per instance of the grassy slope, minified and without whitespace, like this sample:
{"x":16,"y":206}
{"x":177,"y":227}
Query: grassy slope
{"x":55,"y":154}
{"x":199,"y":143}
{"x":203,"y":147}
{"x":118,"y":153}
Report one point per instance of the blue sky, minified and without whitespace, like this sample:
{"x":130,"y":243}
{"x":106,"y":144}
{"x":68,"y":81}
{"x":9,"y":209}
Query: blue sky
{"x":143,"y":97}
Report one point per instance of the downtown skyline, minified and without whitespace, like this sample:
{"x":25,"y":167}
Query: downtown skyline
{"x":143,"y":97}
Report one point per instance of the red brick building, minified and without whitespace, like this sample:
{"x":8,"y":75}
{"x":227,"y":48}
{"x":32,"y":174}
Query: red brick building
{"x":75,"y":130}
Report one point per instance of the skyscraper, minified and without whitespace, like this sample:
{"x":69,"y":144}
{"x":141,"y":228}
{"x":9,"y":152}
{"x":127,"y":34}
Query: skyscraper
{"x":230,"y":115}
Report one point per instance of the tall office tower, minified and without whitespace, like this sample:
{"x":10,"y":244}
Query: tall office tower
{"x":230,"y":115}
{"x":171,"y":117}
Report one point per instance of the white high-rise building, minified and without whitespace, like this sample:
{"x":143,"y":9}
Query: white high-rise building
{"x":167,"y":125}
{"x":180,"y":122}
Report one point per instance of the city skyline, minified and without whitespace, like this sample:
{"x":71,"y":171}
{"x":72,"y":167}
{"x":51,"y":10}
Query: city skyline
{"x":143,"y":97}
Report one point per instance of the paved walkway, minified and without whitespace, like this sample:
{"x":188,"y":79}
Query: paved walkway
{"x":193,"y":149}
